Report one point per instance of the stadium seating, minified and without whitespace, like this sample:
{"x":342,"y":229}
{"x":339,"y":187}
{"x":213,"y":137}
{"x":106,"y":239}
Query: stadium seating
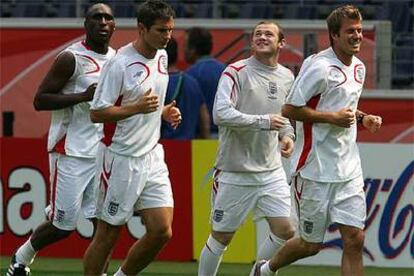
{"x":403,"y":60}
{"x":399,"y":12}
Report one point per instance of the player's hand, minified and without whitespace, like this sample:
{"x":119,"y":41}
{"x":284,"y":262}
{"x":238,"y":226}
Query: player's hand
{"x":286,"y":146}
{"x":277,"y":121}
{"x":172,"y":114}
{"x":147,"y":103}
{"x":372,"y":123}
{"x":89,"y":92}
{"x":344,"y":117}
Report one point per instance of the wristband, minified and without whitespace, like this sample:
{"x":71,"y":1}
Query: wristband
{"x":360,"y":118}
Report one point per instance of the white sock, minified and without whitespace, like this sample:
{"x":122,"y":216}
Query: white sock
{"x":265,"y":270}
{"x":119,"y":272}
{"x":25,"y":254}
{"x":269,"y":247}
{"x":210,"y":257}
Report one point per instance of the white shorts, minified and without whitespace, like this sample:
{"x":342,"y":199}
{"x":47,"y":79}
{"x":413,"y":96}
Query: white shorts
{"x":231,"y":204}
{"x":321,"y":204}
{"x":72,"y":188}
{"x":130,"y":183}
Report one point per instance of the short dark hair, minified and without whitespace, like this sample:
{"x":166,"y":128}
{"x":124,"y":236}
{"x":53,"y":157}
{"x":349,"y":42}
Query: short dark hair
{"x":200,"y":40}
{"x":91,"y":10}
{"x":152,"y":10}
{"x":265,"y":22}
{"x":172,"y":51}
{"x":334,"y":20}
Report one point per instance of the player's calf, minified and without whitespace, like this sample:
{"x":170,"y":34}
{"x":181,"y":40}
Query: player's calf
{"x":16,"y":269}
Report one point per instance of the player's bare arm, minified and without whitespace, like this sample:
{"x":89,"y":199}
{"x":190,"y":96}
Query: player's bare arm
{"x":371,"y":122}
{"x":277,"y":121}
{"x":343,"y":118}
{"x":171,"y":114}
{"x":204,"y":122}
{"x":49,"y":96}
{"x":146,"y":104}
{"x":286,"y":146}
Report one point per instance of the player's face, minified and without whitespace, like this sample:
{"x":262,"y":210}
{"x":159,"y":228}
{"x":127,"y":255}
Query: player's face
{"x":100,"y":24}
{"x":189,"y":53}
{"x":158,"y":35}
{"x":350,"y":37}
{"x":266,"y":39}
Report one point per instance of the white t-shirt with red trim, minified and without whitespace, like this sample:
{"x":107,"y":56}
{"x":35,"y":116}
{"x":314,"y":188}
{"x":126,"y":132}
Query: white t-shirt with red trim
{"x":71,"y":130}
{"x":123,"y":81}
{"x":325,"y":152}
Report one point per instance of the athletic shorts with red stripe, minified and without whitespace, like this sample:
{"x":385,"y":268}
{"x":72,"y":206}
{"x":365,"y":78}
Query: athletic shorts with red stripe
{"x":72,"y":189}
{"x":319,"y":204}
{"x":128,"y":184}
{"x":232,"y":203}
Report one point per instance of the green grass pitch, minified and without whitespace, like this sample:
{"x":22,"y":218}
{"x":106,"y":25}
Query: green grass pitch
{"x":65,"y":267}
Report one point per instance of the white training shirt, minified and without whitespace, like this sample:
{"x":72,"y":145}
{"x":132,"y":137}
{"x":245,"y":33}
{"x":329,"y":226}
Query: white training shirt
{"x":248,"y":92}
{"x":325,"y":152}
{"x":71,"y":130}
{"x":123,"y":81}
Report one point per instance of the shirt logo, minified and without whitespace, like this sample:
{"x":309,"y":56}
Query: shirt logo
{"x":336,"y":75}
{"x":218,"y":215}
{"x":113,"y":208}
{"x":273,"y":89}
{"x":141,"y":69}
{"x":137,"y":74}
{"x":88,"y":64}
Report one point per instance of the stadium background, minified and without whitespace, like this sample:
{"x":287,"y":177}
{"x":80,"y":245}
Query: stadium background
{"x":29,"y":45}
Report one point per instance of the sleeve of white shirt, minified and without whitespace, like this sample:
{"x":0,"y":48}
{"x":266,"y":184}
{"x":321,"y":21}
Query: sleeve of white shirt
{"x":311,"y":81}
{"x":287,"y":129}
{"x":224,"y":111}
{"x":109,"y":86}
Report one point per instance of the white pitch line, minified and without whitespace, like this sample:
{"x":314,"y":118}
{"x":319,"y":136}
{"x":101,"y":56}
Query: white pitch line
{"x":402,"y":134}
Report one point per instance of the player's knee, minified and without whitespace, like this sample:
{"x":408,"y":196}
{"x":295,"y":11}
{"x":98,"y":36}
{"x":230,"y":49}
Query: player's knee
{"x":311,"y":249}
{"x":62,"y":234}
{"x":222,"y":237}
{"x":167,"y":234}
{"x":288,"y":233}
{"x":354,"y":241}
{"x":162,"y":234}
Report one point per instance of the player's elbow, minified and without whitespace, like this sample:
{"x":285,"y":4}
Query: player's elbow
{"x":95,"y":117}
{"x":217,"y":120}
{"x":218,"y":116}
{"x":287,"y":111}
{"x":38,"y":104}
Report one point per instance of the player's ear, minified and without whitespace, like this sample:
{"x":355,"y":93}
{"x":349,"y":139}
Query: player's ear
{"x":141,"y":27}
{"x":334,"y":36}
{"x":282,"y":43}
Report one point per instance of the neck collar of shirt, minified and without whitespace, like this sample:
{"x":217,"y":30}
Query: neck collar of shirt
{"x":343,"y":64}
{"x":256,"y":62}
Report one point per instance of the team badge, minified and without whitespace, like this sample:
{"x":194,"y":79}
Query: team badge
{"x":218,"y":215}
{"x":113,"y":208}
{"x":163,"y":65}
{"x":359,"y":73}
{"x":308,"y":226}
{"x":60,"y":215}
{"x":272,"y":93}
